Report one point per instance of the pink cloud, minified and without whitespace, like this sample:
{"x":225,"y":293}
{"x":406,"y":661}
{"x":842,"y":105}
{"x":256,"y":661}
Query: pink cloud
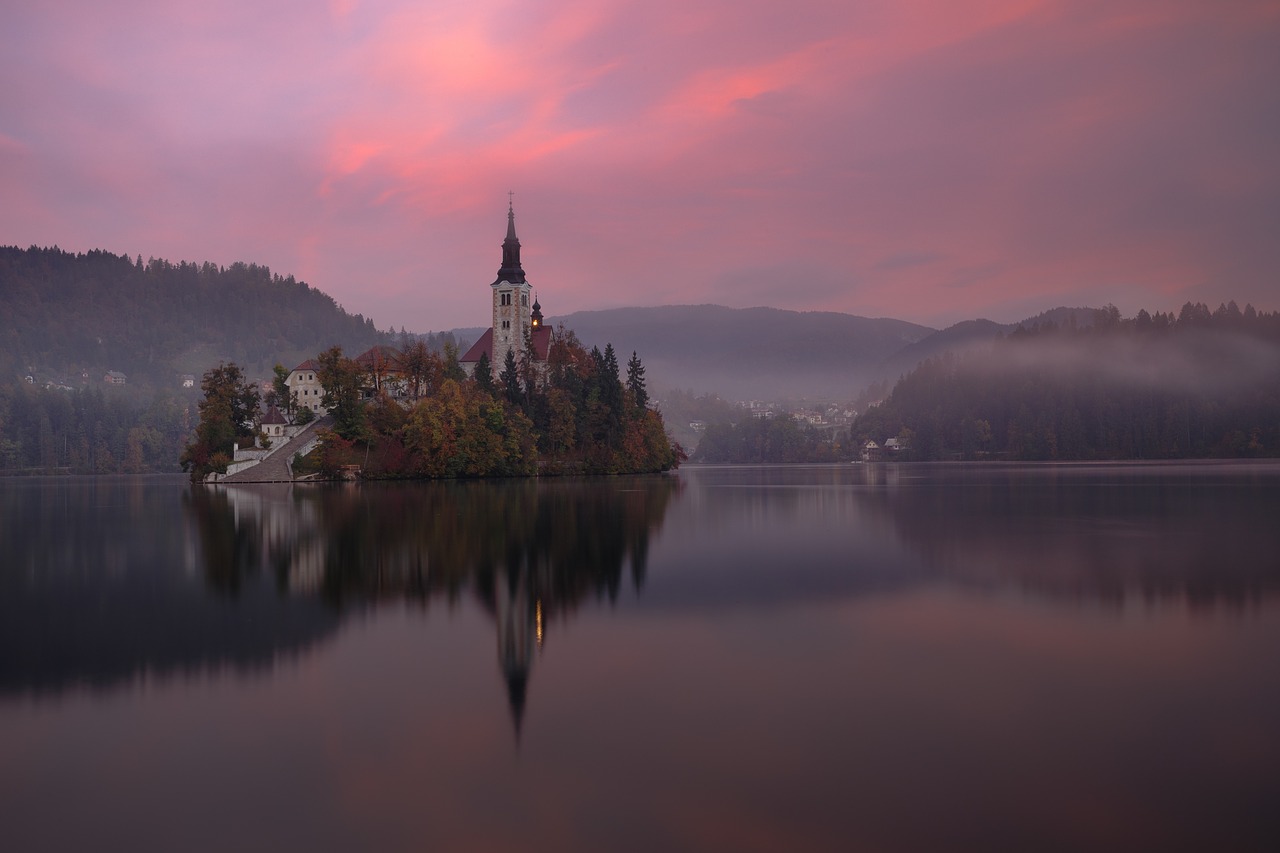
{"x":924,"y":160}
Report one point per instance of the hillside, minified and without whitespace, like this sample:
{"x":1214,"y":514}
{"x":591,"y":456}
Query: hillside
{"x":1202,"y":384}
{"x":64,"y":314}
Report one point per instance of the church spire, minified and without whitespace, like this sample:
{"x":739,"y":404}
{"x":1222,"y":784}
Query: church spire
{"x":511,"y":271}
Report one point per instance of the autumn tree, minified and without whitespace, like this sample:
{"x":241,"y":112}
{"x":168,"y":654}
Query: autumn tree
{"x":279,"y":394}
{"x":340,"y":378}
{"x":464,"y":432}
{"x":449,"y":354}
{"x":422,"y":368}
{"x":228,"y":412}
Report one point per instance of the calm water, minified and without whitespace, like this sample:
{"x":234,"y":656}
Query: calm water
{"x":760,"y":658}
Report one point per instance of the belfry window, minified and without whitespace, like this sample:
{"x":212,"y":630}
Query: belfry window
{"x":524,"y":300}
{"x":504,"y":298}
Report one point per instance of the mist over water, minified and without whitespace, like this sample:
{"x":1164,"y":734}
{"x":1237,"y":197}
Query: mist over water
{"x":900,"y":657}
{"x":1196,"y":363}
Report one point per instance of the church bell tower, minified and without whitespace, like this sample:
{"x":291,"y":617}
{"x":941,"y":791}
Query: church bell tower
{"x":511,"y":309}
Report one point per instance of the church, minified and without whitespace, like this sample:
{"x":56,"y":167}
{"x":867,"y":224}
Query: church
{"x":515,"y":320}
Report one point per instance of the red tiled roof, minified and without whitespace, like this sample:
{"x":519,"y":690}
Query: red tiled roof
{"x":388,"y":358}
{"x":539,"y":337}
{"x":308,"y":365}
{"x":273,"y":416}
{"x":484,"y":345}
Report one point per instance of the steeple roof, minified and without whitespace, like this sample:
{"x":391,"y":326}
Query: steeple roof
{"x":510,"y":271}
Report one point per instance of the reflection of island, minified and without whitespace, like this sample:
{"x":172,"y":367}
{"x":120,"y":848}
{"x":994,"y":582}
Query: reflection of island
{"x":105,"y":582}
{"x":530,"y":551}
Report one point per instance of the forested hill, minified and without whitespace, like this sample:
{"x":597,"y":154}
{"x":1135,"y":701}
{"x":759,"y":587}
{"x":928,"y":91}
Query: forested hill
{"x":1201,"y":384}
{"x":62,"y":313}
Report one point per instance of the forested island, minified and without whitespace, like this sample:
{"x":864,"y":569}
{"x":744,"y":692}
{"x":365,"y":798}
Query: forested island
{"x":571,"y":414}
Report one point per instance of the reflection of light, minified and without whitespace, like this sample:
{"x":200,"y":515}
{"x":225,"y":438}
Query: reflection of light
{"x":537,"y":616}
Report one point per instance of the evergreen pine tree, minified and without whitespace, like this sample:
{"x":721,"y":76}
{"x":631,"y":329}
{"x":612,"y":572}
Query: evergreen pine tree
{"x":635,"y":381}
{"x":510,"y":378}
{"x":484,"y":374}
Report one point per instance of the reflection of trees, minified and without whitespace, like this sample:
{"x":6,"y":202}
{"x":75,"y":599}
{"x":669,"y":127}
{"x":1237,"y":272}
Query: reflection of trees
{"x":92,"y":590}
{"x":1094,"y":534}
{"x":530,"y":551}
{"x":568,"y":538}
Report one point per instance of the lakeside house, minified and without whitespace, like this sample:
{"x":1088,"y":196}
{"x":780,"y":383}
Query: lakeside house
{"x":304,"y":385}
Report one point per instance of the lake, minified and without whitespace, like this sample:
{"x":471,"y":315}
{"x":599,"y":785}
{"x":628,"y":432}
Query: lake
{"x":880,"y":657}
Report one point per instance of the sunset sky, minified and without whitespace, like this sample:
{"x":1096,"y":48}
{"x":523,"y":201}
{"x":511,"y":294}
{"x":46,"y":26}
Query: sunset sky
{"x":931,"y":161}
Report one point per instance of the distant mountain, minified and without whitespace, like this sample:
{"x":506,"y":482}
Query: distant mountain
{"x":773,"y":354}
{"x":63,"y":314}
{"x":970,"y":334}
{"x":959,"y":337}
{"x":749,"y":353}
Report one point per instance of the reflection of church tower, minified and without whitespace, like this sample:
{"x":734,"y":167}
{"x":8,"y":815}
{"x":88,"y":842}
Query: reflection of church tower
{"x":516,"y":621}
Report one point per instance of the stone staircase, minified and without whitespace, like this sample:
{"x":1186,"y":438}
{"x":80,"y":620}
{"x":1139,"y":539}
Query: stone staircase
{"x":276,"y":467}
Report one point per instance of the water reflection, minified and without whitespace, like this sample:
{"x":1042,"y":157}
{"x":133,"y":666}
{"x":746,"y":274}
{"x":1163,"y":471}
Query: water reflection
{"x":825,"y":658}
{"x":104,"y":581}
{"x":1202,"y":535}
{"x":1198,"y":535}
{"x":99,"y":586}
{"x":530,"y":552}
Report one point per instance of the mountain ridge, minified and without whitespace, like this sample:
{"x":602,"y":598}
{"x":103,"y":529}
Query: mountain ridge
{"x":105,"y":311}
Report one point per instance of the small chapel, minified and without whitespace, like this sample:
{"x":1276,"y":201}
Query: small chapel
{"x":517,"y":316}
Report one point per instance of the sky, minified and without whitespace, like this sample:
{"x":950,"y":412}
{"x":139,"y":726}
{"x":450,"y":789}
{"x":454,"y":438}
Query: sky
{"x":929,"y":161}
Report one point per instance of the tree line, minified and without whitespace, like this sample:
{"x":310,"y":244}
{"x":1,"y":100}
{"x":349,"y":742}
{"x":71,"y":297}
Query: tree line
{"x":63,"y":313}
{"x":767,"y":440}
{"x":90,"y":431}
